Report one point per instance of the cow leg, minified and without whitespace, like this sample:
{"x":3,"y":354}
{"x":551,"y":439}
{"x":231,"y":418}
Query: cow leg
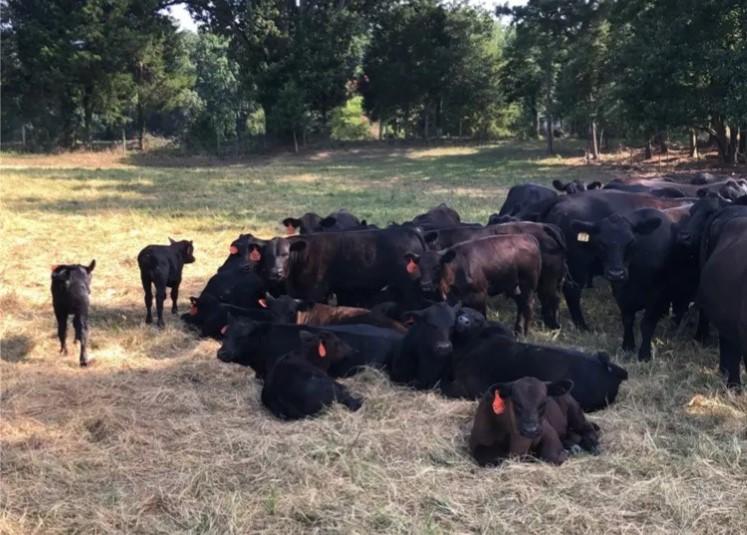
{"x":62,"y":331}
{"x":701,"y":333}
{"x":174,"y":296}
{"x":343,"y":396}
{"x":160,"y":298}
{"x":648,"y":325}
{"x":628,"y":321}
{"x":524,"y":303}
{"x":729,"y":362}
{"x":147,"y":288}
{"x":80,"y":323}
{"x":572,"y":293}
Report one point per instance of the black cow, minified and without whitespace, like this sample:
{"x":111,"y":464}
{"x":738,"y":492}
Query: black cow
{"x":723,"y":288}
{"x":575,"y":186}
{"x":251,"y":343}
{"x":438,"y":217}
{"x":729,"y":189}
{"x":474,"y":270}
{"x":637,"y":252}
{"x":161,"y":266}
{"x":244,"y":250}
{"x":590,"y":206}
{"x":500,"y":359}
{"x":522,"y":197}
{"x":71,"y":288}
{"x":552,"y":248}
{"x":354,"y":265}
{"x":297,"y":385}
{"x":311,"y":222}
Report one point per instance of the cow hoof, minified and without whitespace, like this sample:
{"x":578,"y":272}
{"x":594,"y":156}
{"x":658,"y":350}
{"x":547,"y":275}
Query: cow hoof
{"x":63,"y":351}
{"x":148,"y":321}
{"x":575,"y":449}
{"x":161,"y":325}
{"x":87,"y":363}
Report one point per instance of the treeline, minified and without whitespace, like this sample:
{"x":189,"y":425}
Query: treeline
{"x":291,"y":71}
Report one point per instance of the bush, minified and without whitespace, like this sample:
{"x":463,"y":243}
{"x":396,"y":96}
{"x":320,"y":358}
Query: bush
{"x":348,"y":122}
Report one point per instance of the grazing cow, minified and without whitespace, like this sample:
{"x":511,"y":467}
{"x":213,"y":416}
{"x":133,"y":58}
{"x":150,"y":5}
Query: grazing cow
{"x":297,"y":385}
{"x":251,"y":343}
{"x":723,"y":287}
{"x":591,"y":206}
{"x":522,"y":197}
{"x":286,"y":309}
{"x":438,"y":217}
{"x":311,"y":222}
{"x":528,"y":417}
{"x":500,"y":359}
{"x":71,"y":287}
{"x":474,"y":270}
{"x":426,"y":349}
{"x":354,"y":265}
{"x":575,"y":186}
{"x":161,"y":266}
{"x":552,"y":248}
{"x":637,"y":252}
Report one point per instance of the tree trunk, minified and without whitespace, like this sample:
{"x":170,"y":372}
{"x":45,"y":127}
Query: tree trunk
{"x":381,"y":128}
{"x":733,"y":147}
{"x":550,"y":148}
{"x":693,"y":144}
{"x":295,"y":141}
{"x":743,"y":143}
{"x":140,"y":110}
{"x":594,"y":144}
{"x":425,"y":128}
{"x":87,"y":113}
{"x":664,"y":142}
{"x":460,"y":127}
{"x":649,"y":149}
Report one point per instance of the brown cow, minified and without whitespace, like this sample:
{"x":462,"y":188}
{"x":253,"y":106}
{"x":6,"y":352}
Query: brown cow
{"x":529,"y":417}
{"x":472,"y":271}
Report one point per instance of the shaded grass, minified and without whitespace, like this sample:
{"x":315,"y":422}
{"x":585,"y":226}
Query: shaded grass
{"x":160,"y":437}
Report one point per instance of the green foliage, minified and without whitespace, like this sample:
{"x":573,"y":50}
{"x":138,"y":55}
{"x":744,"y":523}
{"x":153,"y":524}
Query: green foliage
{"x":349,"y":123}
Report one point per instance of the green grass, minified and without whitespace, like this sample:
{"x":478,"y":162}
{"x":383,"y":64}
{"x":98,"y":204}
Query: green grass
{"x":160,"y":437}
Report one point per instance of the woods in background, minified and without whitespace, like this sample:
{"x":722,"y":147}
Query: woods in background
{"x":288,"y":72}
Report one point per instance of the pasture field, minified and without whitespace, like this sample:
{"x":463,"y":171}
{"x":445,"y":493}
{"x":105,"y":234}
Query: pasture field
{"x":160,"y":437}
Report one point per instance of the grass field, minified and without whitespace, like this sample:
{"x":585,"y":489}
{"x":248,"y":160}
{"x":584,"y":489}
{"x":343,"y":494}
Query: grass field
{"x":160,"y":437}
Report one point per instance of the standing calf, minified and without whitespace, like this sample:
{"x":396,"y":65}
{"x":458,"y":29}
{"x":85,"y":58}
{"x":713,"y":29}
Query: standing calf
{"x":161,"y":265}
{"x":71,"y":286}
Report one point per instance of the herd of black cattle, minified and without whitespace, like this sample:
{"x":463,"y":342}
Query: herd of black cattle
{"x":410,"y":299}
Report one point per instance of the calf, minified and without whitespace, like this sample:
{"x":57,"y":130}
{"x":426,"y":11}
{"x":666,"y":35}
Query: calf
{"x":523,"y":197}
{"x":474,"y":270}
{"x":71,"y":288}
{"x":245,"y":252}
{"x":161,"y":266}
{"x":575,"y":186}
{"x":500,"y":359}
{"x":311,"y":222}
{"x":297,"y":385}
{"x":438,"y":217}
{"x":528,"y":417}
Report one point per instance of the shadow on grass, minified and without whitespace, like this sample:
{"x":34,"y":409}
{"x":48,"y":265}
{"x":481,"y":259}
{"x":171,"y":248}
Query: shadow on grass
{"x":14,"y":348}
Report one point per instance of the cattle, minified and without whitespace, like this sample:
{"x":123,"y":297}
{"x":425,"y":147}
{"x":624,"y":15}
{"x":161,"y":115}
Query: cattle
{"x":438,"y":217}
{"x":251,"y":343}
{"x":71,"y":289}
{"x":722,"y":293}
{"x":354,"y":265}
{"x":297,"y":385}
{"x":590,"y":206}
{"x":472,"y":271}
{"x":500,"y":359}
{"x":472,"y":328}
{"x":426,"y":350}
{"x":729,"y":189}
{"x":244,"y":251}
{"x":552,"y":249}
{"x":161,"y":266}
{"x":575,"y":186}
{"x":311,"y":222}
{"x":521,"y":198}
{"x":637,"y":252}
{"x":289,"y":310}
{"x":528,"y":417}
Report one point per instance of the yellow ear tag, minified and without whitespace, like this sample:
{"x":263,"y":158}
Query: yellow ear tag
{"x":583,"y":237}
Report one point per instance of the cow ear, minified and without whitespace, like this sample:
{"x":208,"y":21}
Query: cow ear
{"x":171,"y":240}
{"x":430,"y":236}
{"x":90,"y":266}
{"x":647,"y":225}
{"x":594,"y":185}
{"x":558,"y":388}
{"x":328,"y":222}
{"x":558,"y":185}
{"x":364,"y":223}
{"x":448,"y":256}
{"x":307,"y":338}
{"x":504,"y":389}
{"x":298,"y":246}
{"x":192,"y":299}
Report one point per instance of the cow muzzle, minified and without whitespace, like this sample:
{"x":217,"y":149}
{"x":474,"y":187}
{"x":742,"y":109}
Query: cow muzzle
{"x":615,"y":275}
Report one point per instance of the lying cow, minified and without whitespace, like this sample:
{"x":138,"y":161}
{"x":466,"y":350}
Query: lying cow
{"x":161,"y":266}
{"x":71,"y":288}
{"x":438,"y":217}
{"x":297,"y":385}
{"x":528,"y":417}
{"x":311,"y":222}
{"x":475,"y":270}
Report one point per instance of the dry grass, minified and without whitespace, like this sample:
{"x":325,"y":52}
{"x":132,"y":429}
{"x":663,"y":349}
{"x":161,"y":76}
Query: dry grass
{"x":160,"y":437}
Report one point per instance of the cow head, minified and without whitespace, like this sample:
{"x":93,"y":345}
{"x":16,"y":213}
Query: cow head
{"x":575,"y":186}
{"x":323,"y":349}
{"x":237,"y":334}
{"x":73,"y":275}
{"x":614,"y":237}
{"x":427,"y":268}
{"x":277,"y":255}
{"x":306,"y":224}
{"x":185,"y":249}
{"x":497,"y":219}
{"x":431,"y":335}
{"x":283,"y":309}
{"x":524,"y":402}
{"x":691,"y":228}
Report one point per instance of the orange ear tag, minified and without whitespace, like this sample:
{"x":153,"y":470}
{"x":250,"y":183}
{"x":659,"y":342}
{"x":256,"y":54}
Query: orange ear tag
{"x":233,"y":249}
{"x":224,"y":329}
{"x":412,"y":267}
{"x":262,"y":302}
{"x":289,"y":230}
{"x":193,"y":310}
{"x":322,"y":350}
{"x":498,"y":406}
{"x":255,"y":255}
